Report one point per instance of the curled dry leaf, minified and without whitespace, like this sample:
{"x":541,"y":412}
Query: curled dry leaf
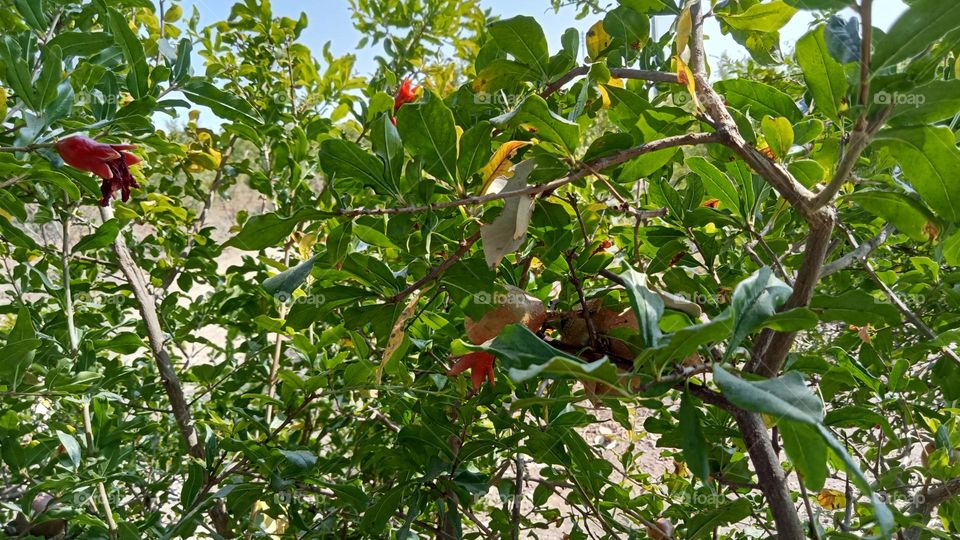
{"x":499,"y":164}
{"x":396,"y":333}
{"x":509,"y":230}
{"x":517,"y":306}
{"x":662,"y":529}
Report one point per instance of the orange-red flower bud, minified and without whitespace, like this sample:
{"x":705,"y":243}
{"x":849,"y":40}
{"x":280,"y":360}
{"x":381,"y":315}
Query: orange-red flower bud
{"x":108,"y":161}
{"x":407,"y":93}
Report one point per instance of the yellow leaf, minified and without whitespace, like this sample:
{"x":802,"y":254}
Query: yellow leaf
{"x":597,"y":40}
{"x":397,"y":334}
{"x":684,"y":27}
{"x":604,"y":96}
{"x":459,"y":134}
{"x":956,"y":68}
{"x":831,"y":499}
{"x":499,"y":165}
{"x":685,"y":77}
{"x":306,"y":244}
{"x":271,"y":526}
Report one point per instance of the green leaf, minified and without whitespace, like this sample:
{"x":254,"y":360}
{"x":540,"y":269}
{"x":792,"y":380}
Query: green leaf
{"x":103,"y":237}
{"x":629,"y":28}
{"x":32,"y":13}
{"x":388,"y":146}
{"x":792,"y":320}
{"x":951,"y":249}
{"x":11,"y":233}
{"x":807,"y":171}
{"x":705,"y":523}
{"x":45,"y":89}
{"x":181,"y":68}
{"x":72,"y":447}
{"x":224,"y":104}
{"x":534,"y":113}
{"x":785,"y":397}
{"x":692,"y":441}
{"x":924,"y":22}
{"x":17,"y":74}
{"x":686,"y":341}
{"x":56,"y":179}
{"x":522,"y":37}
{"x":930,"y":160}
{"x":854,"y":307}
{"x":139,"y":72}
{"x":931,"y":103}
{"x":716,"y":182}
{"x":527,"y":356}
{"x":265,"y":230}
{"x":907,"y":215}
{"x":19,"y":350}
{"x":499,"y":74}
{"x":807,"y":451}
{"x":823,"y":74}
{"x":647,"y":306}
{"x":283,"y":284}
{"x":843,"y":39}
{"x":377,"y":516}
{"x":343,"y":159}
{"x":81,"y":43}
{"x":475,"y":150}
{"x":760,"y":99}
{"x":765,"y":17}
{"x":428,"y":130}
{"x":755,"y":299}
{"x":779,"y":135}
{"x":653,"y":7}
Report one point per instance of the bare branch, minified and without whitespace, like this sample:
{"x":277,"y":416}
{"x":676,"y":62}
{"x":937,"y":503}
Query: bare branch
{"x":770,"y":475}
{"x":895,"y":299}
{"x":860,"y":253}
{"x":168,"y":375}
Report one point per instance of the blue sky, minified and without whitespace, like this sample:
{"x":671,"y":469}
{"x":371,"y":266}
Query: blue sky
{"x":330,"y":21}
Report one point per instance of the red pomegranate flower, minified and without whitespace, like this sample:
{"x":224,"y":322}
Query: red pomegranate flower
{"x":108,"y":161}
{"x":479,"y":363}
{"x":407,"y":93}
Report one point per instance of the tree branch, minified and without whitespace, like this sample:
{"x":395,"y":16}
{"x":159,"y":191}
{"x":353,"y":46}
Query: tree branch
{"x":860,"y":253}
{"x":901,"y":306}
{"x":581,"y":172}
{"x":168,"y":375}
{"x":438,"y":270}
{"x":619,"y":73}
{"x":770,"y":475}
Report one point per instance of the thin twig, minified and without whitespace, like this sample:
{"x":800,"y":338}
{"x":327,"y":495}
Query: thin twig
{"x":438,"y":270}
{"x":901,"y":306}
